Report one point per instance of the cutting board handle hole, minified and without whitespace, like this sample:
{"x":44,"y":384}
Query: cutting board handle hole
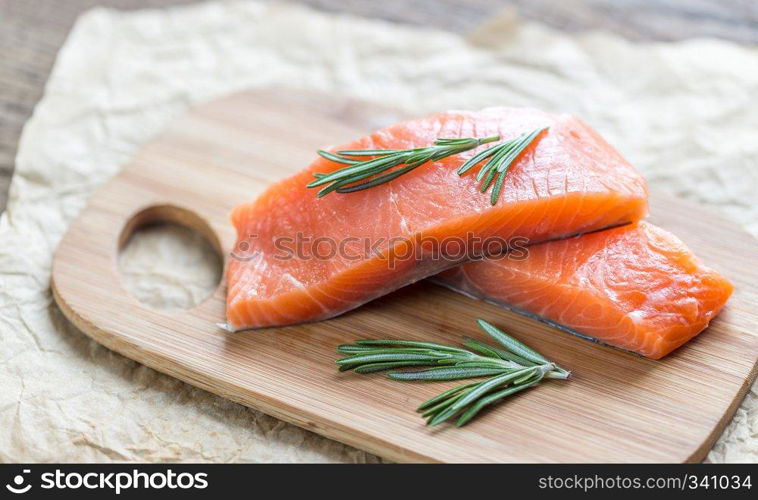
{"x":169,"y":258}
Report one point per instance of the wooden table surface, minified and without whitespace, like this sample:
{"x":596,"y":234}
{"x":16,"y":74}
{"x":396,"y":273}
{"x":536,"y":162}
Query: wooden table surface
{"x":32,"y":31}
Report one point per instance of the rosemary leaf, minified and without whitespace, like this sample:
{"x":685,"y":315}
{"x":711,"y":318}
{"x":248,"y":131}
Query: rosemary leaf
{"x":488,"y":180}
{"x":479,"y":347}
{"x":445,"y":373}
{"x":440,"y":397}
{"x":487,"y":363}
{"x":379,"y":367}
{"x":376,"y":358}
{"x":410,"y":343}
{"x":510,"y":343}
{"x":497,"y":188}
{"x":441,"y":416}
{"x":336,"y":159}
{"x":352,"y":349}
{"x":367,"y":152}
{"x":387,"y":350}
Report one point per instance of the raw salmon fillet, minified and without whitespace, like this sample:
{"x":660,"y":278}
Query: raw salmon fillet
{"x":636,"y":287}
{"x":300,"y":258}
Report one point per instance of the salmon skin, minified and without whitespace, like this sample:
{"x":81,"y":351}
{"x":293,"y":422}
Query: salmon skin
{"x":636,"y":287}
{"x":301,"y":258}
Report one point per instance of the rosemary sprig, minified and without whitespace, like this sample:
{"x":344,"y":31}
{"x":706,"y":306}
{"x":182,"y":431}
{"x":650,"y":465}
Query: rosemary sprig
{"x":348,"y":179}
{"x":360,"y":173}
{"x":501,"y":157}
{"x":510,"y":370}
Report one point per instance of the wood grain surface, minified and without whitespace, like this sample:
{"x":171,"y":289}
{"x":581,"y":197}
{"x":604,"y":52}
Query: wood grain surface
{"x":32,"y":31}
{"x":618,"y":407}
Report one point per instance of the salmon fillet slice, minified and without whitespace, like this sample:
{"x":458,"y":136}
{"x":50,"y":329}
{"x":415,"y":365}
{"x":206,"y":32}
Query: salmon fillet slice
{"x":299,"y":258}
{"x":636,"y":287}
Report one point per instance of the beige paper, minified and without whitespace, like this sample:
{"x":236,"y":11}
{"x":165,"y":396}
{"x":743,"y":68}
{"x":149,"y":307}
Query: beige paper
{"x":684,"y":113}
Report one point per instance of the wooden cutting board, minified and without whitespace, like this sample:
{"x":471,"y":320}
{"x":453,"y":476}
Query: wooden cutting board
{"x":618,"y":407}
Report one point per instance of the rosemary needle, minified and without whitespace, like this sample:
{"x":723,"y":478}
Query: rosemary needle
{"x":511,"y":368}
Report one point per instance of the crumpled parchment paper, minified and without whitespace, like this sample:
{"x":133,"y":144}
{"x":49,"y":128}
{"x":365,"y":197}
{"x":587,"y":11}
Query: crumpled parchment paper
{"x":684,"y":113}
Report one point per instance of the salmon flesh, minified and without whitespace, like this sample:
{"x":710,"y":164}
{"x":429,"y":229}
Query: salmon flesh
{"x":300,"y":258}
{"x":636,"y":287}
